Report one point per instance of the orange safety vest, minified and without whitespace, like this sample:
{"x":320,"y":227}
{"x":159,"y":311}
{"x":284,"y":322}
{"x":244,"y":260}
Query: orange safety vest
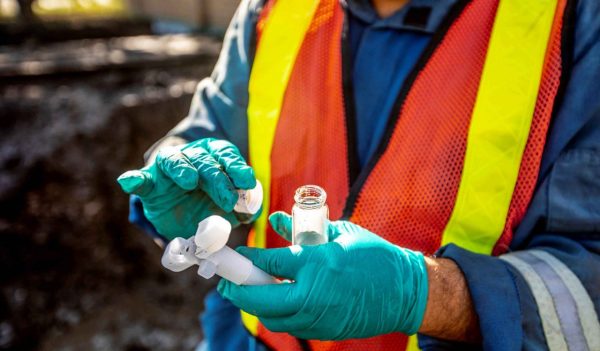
{"x":459,"y":160}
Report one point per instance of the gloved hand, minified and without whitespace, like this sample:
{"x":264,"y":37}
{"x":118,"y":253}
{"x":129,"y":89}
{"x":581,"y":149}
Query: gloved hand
{"x":187,"y":183}
{"x":357,"y":285}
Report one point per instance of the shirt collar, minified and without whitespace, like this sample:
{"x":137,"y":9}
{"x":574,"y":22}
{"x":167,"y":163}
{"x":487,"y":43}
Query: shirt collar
{"x":364,"y":11}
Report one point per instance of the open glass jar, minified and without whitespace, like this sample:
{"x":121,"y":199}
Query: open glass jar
{"x":310,"y":216}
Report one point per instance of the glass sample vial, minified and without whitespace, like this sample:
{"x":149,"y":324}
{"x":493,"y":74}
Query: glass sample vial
{"x":310,"y":216}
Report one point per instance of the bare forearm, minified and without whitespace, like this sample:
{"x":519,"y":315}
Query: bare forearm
{"x":449,"y":314}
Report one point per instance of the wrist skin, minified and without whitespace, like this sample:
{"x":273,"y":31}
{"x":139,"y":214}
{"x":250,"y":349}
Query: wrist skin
{"x":449,"y":313}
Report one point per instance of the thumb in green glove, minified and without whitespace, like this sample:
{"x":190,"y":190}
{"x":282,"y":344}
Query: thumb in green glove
{"x":357,"y":285}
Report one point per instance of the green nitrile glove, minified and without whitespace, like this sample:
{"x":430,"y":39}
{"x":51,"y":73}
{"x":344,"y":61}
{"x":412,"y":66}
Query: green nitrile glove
{"x":188,"y":183}
{"x":357,"y":285}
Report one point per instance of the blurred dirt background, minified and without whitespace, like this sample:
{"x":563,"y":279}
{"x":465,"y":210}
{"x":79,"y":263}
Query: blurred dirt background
{"x":74,"y":115}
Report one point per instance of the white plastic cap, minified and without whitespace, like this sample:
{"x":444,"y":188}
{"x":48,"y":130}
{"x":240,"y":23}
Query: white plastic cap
{"x":249,"y":201}
{"x":211,"y":236}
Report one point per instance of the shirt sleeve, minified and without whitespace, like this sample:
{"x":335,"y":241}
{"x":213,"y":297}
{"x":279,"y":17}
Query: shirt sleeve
{"x":219,"y":105}
{"x":545,"y":293}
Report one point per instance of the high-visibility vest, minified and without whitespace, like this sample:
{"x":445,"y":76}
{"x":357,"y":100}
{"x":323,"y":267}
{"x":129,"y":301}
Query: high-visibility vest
{"x":459,"y":160}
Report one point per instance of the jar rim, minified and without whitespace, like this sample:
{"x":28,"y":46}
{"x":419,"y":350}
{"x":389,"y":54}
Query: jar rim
{"x":310,"y":196}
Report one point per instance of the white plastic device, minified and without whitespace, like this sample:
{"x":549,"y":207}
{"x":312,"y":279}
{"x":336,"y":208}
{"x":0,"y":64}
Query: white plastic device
{"x":208,"y":249}
{"x":249,"y":201}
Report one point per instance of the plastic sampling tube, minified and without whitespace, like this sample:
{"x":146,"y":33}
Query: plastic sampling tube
{"x":209,"y":251}
{"x":238,"y":269}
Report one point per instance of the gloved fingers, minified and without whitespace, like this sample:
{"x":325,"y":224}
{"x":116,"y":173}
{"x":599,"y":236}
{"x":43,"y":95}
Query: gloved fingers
{"x":310,"y":335}
{"x":337,"y":228}
{"x":177,"y":167}
{"x":283,"y":325}
{"x":274,"y":300}
{"x":234,"y":164}
{"x":136,"y":182}
{"x":212,"y":180}
{"x":276,"y":324}
{"x":287,"y":324}
{"x":282,"y":224}
{"x":282,"y":262}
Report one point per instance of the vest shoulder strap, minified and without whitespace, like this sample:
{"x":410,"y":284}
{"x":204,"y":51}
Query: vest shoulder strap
{"x":500,"y":123}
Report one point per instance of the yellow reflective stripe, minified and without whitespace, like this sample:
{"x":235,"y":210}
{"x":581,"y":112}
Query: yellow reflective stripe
{"x":250,"y":322}
{"x":280,"y":41}
{"x":279,"y":44}
{"x":413,"y":344}
{"x":500,"y":123}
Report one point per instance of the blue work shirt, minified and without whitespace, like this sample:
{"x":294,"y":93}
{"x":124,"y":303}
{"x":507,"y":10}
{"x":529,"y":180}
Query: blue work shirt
{"x":564,"y":215}
{"x":400,"y":39}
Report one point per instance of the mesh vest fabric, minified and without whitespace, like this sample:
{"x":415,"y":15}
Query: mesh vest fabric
{"x":532,"y":157}
{"x":309,"y":145}
{"x":418,"y":172}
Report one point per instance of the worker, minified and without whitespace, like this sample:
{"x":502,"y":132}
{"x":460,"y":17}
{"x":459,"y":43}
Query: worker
{"x":459,"y":145}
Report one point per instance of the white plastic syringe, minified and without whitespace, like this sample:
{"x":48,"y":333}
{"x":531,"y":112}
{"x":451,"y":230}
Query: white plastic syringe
{"x":208,"y":249}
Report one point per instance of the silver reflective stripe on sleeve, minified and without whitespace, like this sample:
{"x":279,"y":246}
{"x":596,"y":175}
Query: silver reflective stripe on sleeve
{"x":585,"y":306}
{"x":564,"y":302}
{"x":566,"y":310}
{"x":550,"y":323}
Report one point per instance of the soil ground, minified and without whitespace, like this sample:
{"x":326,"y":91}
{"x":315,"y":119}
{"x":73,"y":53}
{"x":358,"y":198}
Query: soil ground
{"x":75,"y":274}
